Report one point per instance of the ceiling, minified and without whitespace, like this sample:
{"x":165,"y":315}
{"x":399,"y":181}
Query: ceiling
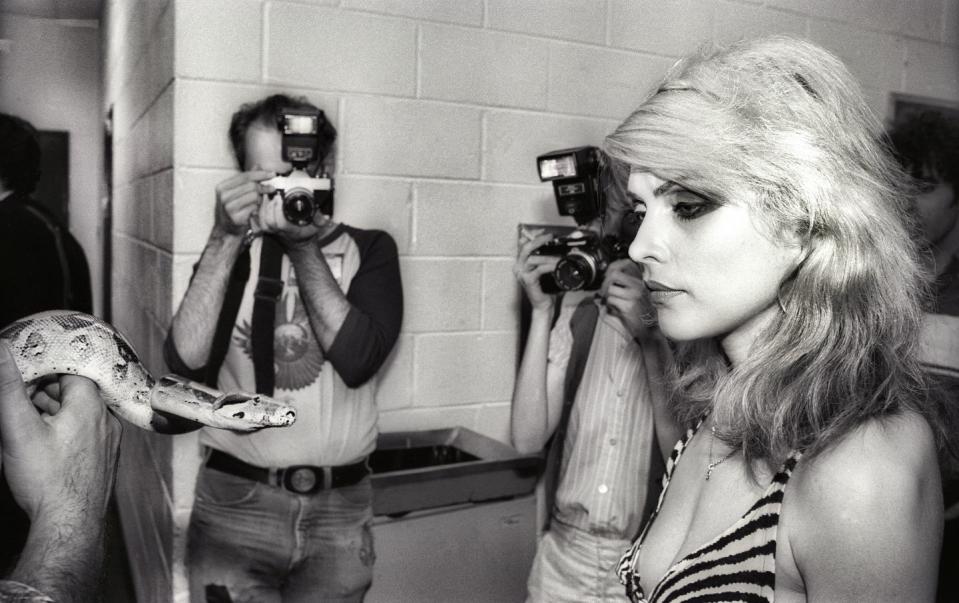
{"x":53,"y":9}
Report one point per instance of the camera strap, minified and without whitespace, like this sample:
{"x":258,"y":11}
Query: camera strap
{"x":269,"y":286}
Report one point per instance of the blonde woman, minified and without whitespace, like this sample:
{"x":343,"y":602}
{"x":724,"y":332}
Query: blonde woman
{"x":778,"y":251}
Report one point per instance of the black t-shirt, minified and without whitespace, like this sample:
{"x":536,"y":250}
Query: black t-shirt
{"x":42,"y":266}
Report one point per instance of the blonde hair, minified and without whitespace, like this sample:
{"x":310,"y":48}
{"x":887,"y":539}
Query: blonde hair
{"x":782,"y":121}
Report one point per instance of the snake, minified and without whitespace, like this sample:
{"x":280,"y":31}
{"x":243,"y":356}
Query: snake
{"x":57,"y":342}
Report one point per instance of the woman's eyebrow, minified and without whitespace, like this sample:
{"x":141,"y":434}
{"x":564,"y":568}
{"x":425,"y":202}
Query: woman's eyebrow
{"x":667,"y":187}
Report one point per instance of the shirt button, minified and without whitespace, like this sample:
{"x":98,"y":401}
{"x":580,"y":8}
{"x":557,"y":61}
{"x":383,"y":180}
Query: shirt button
{"x":603,"y":489}
{"x":619,"y":393}
{"x":612,"y":441}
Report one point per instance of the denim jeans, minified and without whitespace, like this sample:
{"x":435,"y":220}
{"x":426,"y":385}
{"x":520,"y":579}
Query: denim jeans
{"x":250,"y":541}
{"x":573,"y":566}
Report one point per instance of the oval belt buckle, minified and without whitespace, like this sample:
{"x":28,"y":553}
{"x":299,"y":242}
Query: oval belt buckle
{"x":301,"y":480}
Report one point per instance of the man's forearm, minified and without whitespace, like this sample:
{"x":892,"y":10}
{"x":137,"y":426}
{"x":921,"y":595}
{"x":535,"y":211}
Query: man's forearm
{"x":326,"y":306}
{"x":63,"y":558}
{"x":195,"y":321}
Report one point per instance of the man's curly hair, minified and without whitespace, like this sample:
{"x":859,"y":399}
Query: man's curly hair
{"x":268,"y":112}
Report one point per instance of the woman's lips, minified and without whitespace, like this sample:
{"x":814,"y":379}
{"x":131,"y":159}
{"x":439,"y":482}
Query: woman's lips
{"x":660,"y":293}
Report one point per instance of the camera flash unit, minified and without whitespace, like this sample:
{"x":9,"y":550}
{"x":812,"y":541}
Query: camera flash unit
{"x":575,"y":177}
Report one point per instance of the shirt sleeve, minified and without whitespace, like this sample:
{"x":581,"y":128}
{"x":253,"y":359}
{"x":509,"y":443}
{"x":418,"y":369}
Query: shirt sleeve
{"x":15,"y":592}
{"x":372,"y":325}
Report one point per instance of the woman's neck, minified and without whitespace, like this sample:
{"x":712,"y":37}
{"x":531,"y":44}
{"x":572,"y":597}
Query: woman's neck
{"x":738,"y":343}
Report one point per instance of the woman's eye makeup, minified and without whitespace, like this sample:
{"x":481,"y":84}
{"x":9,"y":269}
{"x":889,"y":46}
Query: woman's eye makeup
{"x":685,"y":204}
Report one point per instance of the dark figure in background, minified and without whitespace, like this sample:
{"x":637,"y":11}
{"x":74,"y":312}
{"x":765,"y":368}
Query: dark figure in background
{"x":927,"y":144}
{"x":42,"y":267}
{"x":59,"y":453}
{"x":285,"y":515}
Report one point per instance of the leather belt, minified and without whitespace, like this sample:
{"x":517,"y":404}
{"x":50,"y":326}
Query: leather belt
{"x":301,"y":479}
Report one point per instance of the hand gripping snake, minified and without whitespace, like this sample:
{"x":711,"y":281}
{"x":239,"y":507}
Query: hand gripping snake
{"x":64,"y":342}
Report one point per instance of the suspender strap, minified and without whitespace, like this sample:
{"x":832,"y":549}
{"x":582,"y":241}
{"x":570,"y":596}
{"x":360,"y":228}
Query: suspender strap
{"x":582,"y":325}
{"x":225,"y":324}
{"x":269,"y":286}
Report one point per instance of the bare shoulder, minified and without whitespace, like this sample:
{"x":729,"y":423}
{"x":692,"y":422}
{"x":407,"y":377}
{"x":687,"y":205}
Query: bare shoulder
{"x":854,"y":514}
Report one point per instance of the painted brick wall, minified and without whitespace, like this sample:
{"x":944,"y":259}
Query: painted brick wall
{"x":442,"y":106}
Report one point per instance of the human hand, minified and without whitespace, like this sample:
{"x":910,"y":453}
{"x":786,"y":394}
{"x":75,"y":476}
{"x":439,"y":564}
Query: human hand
{"x":626,"y":296}
{"x":59,"y":467}
{"x":529,"y":268}
{"x":237,"y":200}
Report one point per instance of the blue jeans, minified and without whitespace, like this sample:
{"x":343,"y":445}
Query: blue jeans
{"x":255,"y":542}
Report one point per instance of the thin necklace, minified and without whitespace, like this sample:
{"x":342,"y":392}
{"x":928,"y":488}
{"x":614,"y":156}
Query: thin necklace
{"x":713,"y":464}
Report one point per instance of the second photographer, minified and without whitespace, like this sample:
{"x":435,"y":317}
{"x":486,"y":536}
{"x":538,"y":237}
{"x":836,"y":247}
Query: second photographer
{"x":590,"y":386}
{"x":285,"y":300}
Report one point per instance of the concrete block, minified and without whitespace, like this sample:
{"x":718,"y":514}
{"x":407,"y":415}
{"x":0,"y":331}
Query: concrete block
{"x":416,"y":419}
{"x":950,"y":23}
{"x":501,"y":296}
{"x":410,"y":138}
{"x":441,"y":295}
{"x":671,"y":27}
{"x":219,"y":39}
{"x":876,"y":59}
{"x":194,"y":203}
{"x":600,"y":82}
{"x":559,"y":19}
{"x":464,"y":12}
{"x":394,"y":385}
{"x":204,"y":110}
{"x":455,"y":219}
{"x":932,"y":70}
{"x":464,"y":368}
{"x":337,"y":50}
{"x":484,"y":67}
{"x":161,"y":229}
{"x":511,"y":158}
{"x":735,"y":21}
{"x":375,"y":203}
{"x":160,"y":126}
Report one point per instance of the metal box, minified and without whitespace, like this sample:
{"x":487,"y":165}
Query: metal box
{"x":415,"y":470}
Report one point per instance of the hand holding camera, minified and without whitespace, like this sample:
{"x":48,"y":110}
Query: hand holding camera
{"x":237,"y":200}
{"x":626,"y":296}
{"x":530,"y":268}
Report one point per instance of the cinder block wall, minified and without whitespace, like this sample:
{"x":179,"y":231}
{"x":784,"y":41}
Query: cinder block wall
{"x":442,"y":106}
{"x":137,"y":47}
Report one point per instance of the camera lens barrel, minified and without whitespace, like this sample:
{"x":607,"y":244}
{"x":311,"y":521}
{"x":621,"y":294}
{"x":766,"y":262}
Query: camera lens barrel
{"x":576,"y":271}
{"x":299,"y":206}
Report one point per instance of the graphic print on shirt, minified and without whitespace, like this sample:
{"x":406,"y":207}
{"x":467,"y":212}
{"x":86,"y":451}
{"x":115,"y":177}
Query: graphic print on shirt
{"x":297,"y":356}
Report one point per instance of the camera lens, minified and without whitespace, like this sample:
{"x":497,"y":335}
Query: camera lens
{"x":575,"y":272}
{"x":298,"y":206}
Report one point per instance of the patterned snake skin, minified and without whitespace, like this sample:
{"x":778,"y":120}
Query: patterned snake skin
{"x":59,"y":341}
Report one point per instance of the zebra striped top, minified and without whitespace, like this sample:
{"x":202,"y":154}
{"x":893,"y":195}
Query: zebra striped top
{"x":737,"y":565}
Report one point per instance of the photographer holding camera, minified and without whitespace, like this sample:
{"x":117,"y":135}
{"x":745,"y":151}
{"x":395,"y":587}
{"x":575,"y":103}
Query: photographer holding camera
{"x":284,"y":299}
{"x":592,"y":379}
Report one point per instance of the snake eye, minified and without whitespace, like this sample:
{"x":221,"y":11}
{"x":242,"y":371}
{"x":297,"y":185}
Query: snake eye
{"x":239,"y":415}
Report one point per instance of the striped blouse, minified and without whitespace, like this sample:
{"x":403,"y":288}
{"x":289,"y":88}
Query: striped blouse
{"x":737,"y":565}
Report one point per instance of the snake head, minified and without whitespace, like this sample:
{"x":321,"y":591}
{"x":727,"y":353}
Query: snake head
{"x":238,"y":411}
{"x":246,"y":412}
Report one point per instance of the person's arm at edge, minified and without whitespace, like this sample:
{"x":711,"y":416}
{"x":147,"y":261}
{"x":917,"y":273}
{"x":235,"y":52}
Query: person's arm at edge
{"x":864,"y":520}
{"x":538,"y":392}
